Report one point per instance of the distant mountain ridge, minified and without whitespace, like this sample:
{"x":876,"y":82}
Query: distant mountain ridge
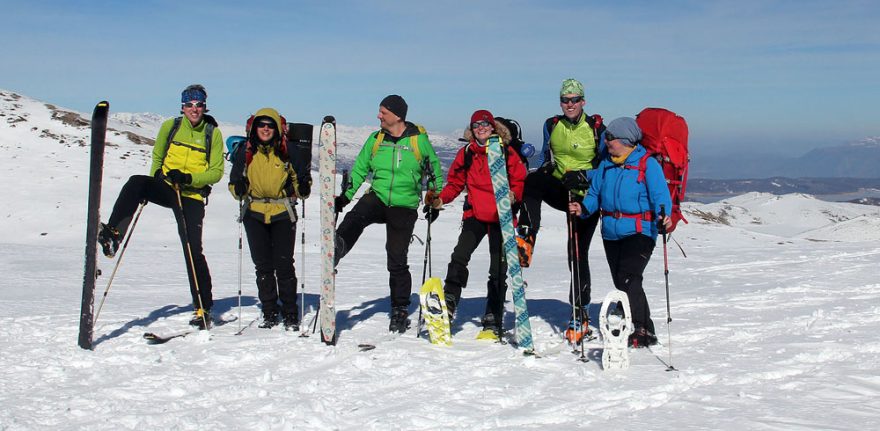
{"x":857,"y":159}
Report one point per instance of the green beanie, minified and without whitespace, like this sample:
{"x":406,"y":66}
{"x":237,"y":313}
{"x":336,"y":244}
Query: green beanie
{"x":572,"y":86}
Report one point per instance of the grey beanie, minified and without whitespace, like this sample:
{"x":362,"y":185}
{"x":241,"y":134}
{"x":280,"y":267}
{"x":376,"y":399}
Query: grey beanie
{"x":626,"y":129}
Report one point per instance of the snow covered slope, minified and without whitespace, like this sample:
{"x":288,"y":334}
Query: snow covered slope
{"x":775,"y":320}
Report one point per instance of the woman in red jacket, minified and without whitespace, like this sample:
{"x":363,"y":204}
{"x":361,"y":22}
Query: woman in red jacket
{"x":470,"y":171}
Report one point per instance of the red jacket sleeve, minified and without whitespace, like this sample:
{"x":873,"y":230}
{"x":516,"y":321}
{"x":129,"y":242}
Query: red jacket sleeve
{"x":455,"y":178}
{"x":516,"y":173}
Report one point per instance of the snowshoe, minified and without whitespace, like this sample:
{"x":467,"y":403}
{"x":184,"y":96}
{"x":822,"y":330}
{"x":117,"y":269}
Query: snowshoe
{"x":108,"y":237}
{"x":615,"y":325}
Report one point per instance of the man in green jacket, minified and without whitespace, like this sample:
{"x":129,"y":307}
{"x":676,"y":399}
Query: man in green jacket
{"x":187,"y":158}
{"x":397,"y":156}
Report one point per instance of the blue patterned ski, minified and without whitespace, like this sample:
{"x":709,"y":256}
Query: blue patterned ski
{"x":498,"y":170}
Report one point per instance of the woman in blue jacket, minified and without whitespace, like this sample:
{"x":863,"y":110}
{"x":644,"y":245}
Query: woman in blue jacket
{"x":628,"y":190}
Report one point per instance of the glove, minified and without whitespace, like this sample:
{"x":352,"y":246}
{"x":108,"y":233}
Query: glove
{"x":241,"y":187}
{"x":575,"y":180}
{"x":432,"y":198}
{"x":177,"y":177}
{"x":305,"y":186}
{"x":431,"y":213}
{"x":547,"y":168}
{"x":289,"y":189}
{"x":340,"y":202}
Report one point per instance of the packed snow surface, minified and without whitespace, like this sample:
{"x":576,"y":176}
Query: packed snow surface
{"x":775,"y":316}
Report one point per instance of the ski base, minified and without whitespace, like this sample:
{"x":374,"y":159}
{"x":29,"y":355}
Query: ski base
{"x":433,"y":303}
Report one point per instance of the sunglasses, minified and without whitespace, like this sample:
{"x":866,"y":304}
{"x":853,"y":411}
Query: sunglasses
{"x":481,"y":123}
{"x":194,"y":105}
{"x":268,"y":124}
{"x":574,"y":99}
{"x":609,"y":137}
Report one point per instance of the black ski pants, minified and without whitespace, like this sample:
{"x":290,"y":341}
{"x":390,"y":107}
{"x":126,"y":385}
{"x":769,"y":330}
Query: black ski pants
{"x":141,"y":188}
{"x":543,"y":187}
{"x":272,"y":247}
{"x":472,"y":233}
{"x":399,"y":224}
{"x":627,"y":259}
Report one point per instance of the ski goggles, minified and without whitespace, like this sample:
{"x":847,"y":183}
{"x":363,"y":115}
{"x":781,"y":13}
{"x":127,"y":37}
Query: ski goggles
{"x":194,"y":105}
{"x":482,"y":123}
{"x":574,"y":99}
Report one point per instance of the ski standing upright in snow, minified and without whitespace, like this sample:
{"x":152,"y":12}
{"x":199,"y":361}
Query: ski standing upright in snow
{"x":327,"y":179}
{"x":501,"y":186}
{"x":93,"y":219}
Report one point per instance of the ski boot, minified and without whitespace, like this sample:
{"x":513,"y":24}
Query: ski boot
{"x":615,"y":325}
{"x":108,"y":237}
{"x":399,"y":319}
{"x":270,"y":320}
{"x":201,"y":319}
{"x":579,"y":328}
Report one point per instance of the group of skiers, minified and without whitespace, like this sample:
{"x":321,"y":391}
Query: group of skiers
{"x":586,"y":169}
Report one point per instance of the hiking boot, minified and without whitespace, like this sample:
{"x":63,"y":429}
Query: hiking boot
{"x":642,"y":337}
{"x":201,"y":319}
{"x":579,"y":328}
{"x":525,"y":244}
{"x":399,"y":319}
{"x":108,"y":237}
{"x":291,"y":321}
{"x":451,"y":303}
{"x":270,"y":320}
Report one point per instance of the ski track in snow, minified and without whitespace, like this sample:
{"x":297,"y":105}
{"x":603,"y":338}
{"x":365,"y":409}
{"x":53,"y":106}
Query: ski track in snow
{"x":770,"y":330}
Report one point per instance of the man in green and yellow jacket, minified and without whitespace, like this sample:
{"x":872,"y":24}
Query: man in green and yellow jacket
{"x":572,"y":149}
{"x":187,"y":158}
{"x":397,"y":156}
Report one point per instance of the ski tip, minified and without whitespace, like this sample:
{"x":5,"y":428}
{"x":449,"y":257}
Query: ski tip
{"x":329,"y":119}
{"x":103,"y":104}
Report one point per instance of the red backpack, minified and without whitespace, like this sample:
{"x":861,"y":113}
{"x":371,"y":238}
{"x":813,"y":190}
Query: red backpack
{"x":665,"y":136}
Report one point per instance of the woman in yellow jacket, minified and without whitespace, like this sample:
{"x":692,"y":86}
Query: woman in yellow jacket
{"x":264,"y":179}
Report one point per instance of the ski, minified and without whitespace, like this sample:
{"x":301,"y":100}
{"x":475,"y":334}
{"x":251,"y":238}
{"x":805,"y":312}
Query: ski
{"x":153,"y":338}
{"x":327,"y":180}
{"x":615,"y":329}
{"x":435,"y":313}
{"x":498,"y":171}
{"x":93,"y":220}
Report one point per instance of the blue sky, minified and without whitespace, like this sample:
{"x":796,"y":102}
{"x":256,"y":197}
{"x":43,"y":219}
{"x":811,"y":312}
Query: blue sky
{"x":777,"y":76}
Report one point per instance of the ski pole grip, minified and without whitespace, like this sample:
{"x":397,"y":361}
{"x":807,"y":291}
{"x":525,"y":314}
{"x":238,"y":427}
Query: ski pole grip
{"x":661,"y":226}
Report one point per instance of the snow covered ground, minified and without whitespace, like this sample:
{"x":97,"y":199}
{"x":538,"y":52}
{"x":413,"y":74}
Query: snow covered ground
{"x":776,"y":311}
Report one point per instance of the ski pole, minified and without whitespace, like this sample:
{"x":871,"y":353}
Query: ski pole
{"x":119,"y":259}
{"x":240,"y":253}
{"x":189,"y":254}
{"x":575,"y":271}
{"x":302,"y":272}
{"x":430,"y":184}
{"x":666,"y":277}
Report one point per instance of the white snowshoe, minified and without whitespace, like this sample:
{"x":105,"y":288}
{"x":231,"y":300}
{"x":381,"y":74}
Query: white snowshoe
{"x":615,"y":325}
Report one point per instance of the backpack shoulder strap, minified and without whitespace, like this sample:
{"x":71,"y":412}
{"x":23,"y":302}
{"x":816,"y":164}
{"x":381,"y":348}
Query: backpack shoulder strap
{"x":174,"y":128}
{"x":379,"y":138}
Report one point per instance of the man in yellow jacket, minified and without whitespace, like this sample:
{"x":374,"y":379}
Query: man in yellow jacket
{"x":187,"y":159}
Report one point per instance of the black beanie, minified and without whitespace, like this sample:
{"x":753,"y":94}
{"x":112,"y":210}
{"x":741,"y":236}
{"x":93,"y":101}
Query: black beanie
{"x":396,"y":105}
